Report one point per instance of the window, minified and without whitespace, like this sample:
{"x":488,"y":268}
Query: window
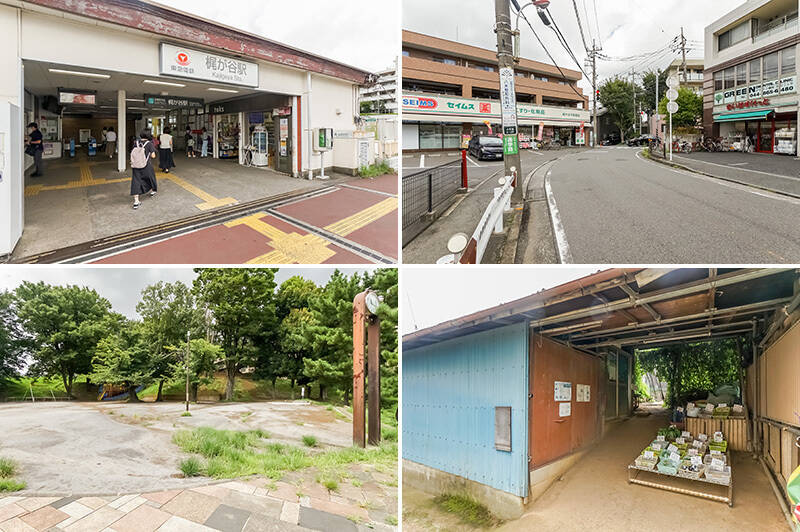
{"x":718,"y":81}
{"x":755,"y":70}
{"x":502,"y":428}
{"x":520,"y":74}
{"x":771,"y":66}
{"x":444,"y":60}
{"x":430,"y":136}
{"x":788,"y":61}
{"x":741,"y":74}
{"x":405,"y":53}
{"x":487,"y":68}
{"x":734,"y":35}
{"x":451,"y":136}
{"x":730,"y":80}
{"x":542,"y":78}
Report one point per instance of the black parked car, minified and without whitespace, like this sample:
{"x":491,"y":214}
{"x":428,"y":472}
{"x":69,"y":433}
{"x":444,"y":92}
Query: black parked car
{"x":485,"y":147}
{"x":643,"y":140}
{"x":612,"y":140}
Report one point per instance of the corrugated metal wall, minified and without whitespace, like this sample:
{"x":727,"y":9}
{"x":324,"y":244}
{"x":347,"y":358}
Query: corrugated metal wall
{"x":450,"y":391}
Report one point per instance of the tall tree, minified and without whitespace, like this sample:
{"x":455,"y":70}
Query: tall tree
{"x":202,"y":362}
{"x":384,"y":281}
{"x":616,"y":95}
{"x":649,"y":88}
{"x":123,"y":358}
{"x":168,"y":312}
{"x":690,"y":108}
{"x":65,"y":324}
{"x":241,"y":303}
{"x":12,"y":337}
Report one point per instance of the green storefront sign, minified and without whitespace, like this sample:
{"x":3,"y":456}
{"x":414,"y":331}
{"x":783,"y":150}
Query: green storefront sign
{"x":510,"y":144}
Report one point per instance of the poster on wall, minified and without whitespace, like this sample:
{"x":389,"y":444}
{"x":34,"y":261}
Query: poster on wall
{"x":563,"y":391}
{"x":284,"y":125}
{"x":583,"y":393}
{"x":564,"y":409}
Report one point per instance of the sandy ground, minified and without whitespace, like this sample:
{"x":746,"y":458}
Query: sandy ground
{"x":88,"y":448}
{"x":595,"y":495}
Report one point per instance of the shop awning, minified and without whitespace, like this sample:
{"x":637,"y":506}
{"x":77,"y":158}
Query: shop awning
{"x":750,"y":115}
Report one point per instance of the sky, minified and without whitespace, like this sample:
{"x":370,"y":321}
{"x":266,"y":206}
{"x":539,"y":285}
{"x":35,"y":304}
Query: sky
{"x":626,"y":28}
{"x":432,"y":295}
{"x":123,"y":286}
{"x":360,"y":33}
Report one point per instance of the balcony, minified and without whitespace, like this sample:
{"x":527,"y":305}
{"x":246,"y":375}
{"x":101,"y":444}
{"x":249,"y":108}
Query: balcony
{"x":779,"y":25}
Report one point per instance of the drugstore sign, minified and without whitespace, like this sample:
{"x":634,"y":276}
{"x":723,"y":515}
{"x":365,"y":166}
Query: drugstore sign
{"x":488,"y":110}
{"x":196,"y":64}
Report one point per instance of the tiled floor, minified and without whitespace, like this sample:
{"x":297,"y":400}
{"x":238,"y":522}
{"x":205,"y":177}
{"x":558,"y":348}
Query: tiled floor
{"x":366,"y":501}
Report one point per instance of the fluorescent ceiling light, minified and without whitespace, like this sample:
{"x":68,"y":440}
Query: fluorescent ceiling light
{"x":139,"y":108}
{"x":108,"y":106}
{"x":82,"y":74}
{"x":134,"y":100}
{"x":167,"y":83}
{"x":222,"y":90}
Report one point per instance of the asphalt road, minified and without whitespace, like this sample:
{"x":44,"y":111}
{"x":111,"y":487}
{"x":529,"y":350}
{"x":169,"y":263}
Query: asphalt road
{"x":617,"y":208}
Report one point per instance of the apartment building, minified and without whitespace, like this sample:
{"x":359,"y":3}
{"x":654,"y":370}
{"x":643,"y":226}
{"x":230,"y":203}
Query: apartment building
{"x":750,"y":88}
{"x":380,"y":97}
{"x":694,"y":74}
{"x":451,"y":92}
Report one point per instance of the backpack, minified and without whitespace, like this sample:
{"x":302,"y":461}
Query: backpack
{"x":139,"y":155}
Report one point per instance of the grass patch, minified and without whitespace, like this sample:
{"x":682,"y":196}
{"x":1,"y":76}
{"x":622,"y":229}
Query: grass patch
{"x":309,"y":441}
{"x":191,"y":467}
{"x":8,"y":467}
{"x":375,"y":170}
{"x":388,"y":433}
{"x":330,"y":484}
{"x":646,"y":153}
{"x":186,"y":414}
{"x":391,"y":520}
{"x":9,"y":485}
{"x":469,"y":510}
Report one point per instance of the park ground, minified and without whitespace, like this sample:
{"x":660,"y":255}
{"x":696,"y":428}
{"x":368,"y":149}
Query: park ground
{"x":595,"y":495}
{"x":231,"y":466}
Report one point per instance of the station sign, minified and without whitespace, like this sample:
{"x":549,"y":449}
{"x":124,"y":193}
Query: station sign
{"x":173,"y":102}
{"x":189,"y":63}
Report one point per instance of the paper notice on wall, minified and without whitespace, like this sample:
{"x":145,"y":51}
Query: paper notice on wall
{"x":563,"y":391}
{"x":564,"y":409}
{"x":583,"y":393}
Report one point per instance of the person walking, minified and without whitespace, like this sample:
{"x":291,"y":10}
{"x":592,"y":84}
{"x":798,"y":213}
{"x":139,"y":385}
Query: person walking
{"x":206,"y":140}
{"x":111,"y":142}
{"x":165,"y":151}
{"x":144,"y":175}
{"x":35,"y":148}
{"x":103,"y":134}
{"x":189,"y":138}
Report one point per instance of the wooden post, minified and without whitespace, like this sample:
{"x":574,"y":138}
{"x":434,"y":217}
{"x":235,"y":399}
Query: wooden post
{"x":359,"y":317}
{"x":374,"y":380}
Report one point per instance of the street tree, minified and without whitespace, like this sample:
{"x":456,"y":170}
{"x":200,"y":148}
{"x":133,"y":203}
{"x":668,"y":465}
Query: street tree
{"x":384,"y":281}
{"x":690,"y":108}
{"x":202,"y":362}
{"x":241,"y":304}
{"x":65,"y":323}
{"x":124,"y":358}
{"x":616,"y":95}
{"x":168,"y":312}
{"x":13,"y":341}
{"x":296,"y":333}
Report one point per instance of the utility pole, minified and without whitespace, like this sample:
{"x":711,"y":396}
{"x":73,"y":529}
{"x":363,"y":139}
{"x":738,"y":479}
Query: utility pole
{"x":656,"y":116}
{"x":186,"y":363}
{"x":594,"y":90}
{"x":508,"y":96}
{"x":633,"y":86}
{"x":683,"y":53}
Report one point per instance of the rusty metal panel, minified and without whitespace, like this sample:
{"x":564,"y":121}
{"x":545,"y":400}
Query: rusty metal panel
{"x":449,"y":392}
{"x":552,"y":433}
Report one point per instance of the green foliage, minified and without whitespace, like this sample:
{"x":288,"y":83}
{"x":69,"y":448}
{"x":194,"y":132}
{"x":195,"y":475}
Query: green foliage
{"x":186,"y":414}
{"x":309,"y":441}
{"x":9,"y":485}
{"x":123,"y":358}
{"x":690,"y":108}
{"x":64,"y":324}
{"x":201,"y":358}
{"x":191,"y":467}
{"x":692,"y":369}
{"x":639,"y":387}
{"x":375,"y":170}
{"x":12,"y":338}
{"x":468,"y":509}
{"x":8,"y":467}
{"x":616,"y":95}
{"x":649,"y":88}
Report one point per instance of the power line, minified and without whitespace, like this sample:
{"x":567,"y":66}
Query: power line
{"x":564,"y":43}
{"x":597,"y":23}
{"x":580,"y":25}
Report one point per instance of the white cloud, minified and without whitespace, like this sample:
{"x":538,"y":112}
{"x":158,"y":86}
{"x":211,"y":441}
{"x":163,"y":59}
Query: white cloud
{"x":361,"y":33}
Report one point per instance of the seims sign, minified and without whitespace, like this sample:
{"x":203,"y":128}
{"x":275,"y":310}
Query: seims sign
{"x":196,"y":64}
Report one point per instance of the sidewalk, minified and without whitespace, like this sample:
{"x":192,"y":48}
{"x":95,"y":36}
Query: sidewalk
{"x":295,"y":503}
{"x":775,"y":173}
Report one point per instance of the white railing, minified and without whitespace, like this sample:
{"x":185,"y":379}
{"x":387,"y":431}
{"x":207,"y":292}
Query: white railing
{"x":767,"y":32}
{"x":490,"y":223}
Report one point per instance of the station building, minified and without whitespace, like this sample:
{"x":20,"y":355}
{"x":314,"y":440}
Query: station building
{"x":77,"y":67}
{"x":751,"y":76}
{"x":451,"y":92}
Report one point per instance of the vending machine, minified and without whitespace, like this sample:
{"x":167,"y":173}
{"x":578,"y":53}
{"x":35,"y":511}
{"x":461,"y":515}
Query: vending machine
{"x":260,"y":144}
{"x":92,"y":146}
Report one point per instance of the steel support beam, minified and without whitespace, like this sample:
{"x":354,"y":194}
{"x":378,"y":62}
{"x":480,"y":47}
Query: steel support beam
{"x":634,"y":295}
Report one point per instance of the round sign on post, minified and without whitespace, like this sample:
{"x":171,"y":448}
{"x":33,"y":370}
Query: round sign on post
{"x":673,"y":82}
{"x":672,"y":95}
{"x":672,"y":107}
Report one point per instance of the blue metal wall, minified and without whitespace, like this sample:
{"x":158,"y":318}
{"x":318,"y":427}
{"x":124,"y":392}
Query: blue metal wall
{"x":450,"y":390}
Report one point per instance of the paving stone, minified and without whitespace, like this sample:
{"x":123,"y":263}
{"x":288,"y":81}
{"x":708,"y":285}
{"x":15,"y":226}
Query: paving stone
{"x":284,"y":491}
{"x":179,"y":524}
{"x":93,"y":502}
{"x":9,"y":511}
{"x":317,"y":520}
{"x":132,"y":504}
{"x":345,"y":510}
{"x":76,"y":509}
{"x":305,"y":501}
{"x":290,"y":512}
{"x":252,"y":503}
{"x":315,"y":491}
{"x":9,"y":500}
{"x":63,"y":502}
{"x":264,"y":523}
{"x":143,"y":519}
{"x":161,"y":497}
{"x":351,"y":492}
{"x":34,"y":503}
{"x":44,"y":518}
{"x":228,"y":519}
{"x":96,"y":521}
{"x":241,"y":487}
{"x":213,"y":491}
{"x":116,"y":503}
{"x":16,"y":525}
{"x":193,"y":506}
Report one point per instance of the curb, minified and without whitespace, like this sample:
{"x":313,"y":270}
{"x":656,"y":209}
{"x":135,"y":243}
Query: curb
{"x":673,"y":164}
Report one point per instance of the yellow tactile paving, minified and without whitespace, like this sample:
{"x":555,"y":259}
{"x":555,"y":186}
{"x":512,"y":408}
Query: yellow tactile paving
{"x":289,"y":247}
{"x":209,"y":201}
{"x":86,"y":180}
{"x":363,"y":218}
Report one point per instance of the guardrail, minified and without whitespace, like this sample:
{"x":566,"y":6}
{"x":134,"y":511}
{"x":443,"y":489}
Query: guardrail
{"x":424,"y":192}
{"x":470,"y":251}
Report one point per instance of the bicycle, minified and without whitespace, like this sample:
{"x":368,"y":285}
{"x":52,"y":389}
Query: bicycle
{"x":248,"y":155}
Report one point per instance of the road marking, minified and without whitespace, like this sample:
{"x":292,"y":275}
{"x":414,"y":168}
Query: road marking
{"x":729,"y":184}
{"x":209,"y":201}
{"x":361,"y":219}
{"x":364,"y":189}
{"x":794,"y":179}
{"x":288,"y":247}
{"x":736,"y":164}
{"x":473,"y":162}
{"x":564,"y":255}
